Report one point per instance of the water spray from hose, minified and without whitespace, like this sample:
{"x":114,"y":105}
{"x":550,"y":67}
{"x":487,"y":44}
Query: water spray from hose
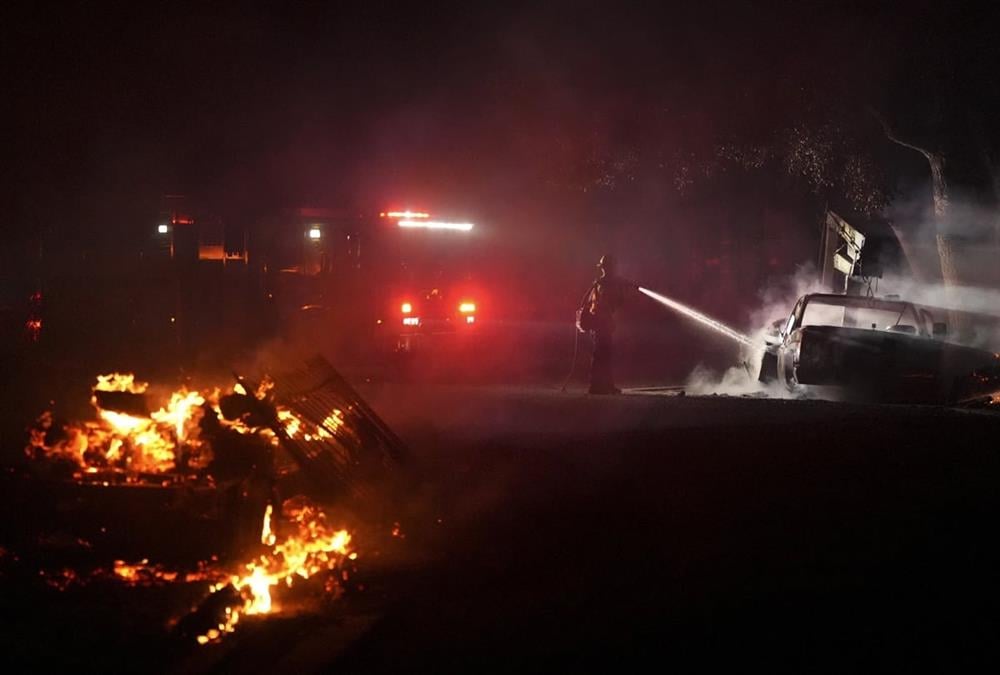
{"x":717,"y":326}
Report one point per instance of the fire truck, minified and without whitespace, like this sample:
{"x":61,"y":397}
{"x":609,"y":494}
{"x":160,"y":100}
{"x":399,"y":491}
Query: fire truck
{"x":397,"y":281}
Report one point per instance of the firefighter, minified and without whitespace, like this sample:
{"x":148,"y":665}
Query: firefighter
{"x":604,"y":299}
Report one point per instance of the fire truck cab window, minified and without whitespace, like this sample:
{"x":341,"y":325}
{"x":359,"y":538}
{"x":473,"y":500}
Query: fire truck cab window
{"x":434,"y":258}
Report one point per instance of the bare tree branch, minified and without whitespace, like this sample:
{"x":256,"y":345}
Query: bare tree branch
{"x":890,"y":133}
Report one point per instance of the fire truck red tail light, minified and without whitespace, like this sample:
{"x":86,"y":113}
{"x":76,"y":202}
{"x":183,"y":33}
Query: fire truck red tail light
{"x":406,"y":308}
{"x":467,"y":308}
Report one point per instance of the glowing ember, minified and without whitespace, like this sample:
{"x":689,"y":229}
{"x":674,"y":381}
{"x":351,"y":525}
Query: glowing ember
{"x":144,"y":574}
{"x":312,"y":549}
{"x":60,"y":579}
{"x":292,"y":422}
{"x":125,"y":382}
{"x":334,"y":420}
{"x":300,"y":429}
{"x":267,"y":536}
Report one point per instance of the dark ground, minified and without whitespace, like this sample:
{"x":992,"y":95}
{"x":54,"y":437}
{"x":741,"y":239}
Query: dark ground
{"x":591,"y":533}
{"x":696,"y":532}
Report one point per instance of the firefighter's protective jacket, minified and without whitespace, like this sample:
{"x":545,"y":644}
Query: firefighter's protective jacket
{"x":606,"y":297}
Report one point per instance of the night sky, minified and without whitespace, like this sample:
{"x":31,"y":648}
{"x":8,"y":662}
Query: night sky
{"x":490,"y":110}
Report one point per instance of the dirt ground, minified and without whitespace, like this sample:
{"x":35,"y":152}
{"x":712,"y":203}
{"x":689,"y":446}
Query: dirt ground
{"x":550,"y":531}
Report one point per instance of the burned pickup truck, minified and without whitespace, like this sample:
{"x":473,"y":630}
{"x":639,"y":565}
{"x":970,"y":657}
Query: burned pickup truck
{"x":876,"y":349}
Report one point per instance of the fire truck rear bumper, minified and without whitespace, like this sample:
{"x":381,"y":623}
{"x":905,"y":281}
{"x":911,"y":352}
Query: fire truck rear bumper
{"x":430,"y":334}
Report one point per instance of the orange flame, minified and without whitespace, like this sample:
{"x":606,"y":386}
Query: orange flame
{"x":138,"y":444}
{"x":133,"y":443}
{"x":125,"y":441}
{"x":120,"y":382}
{"x":314,"y":548}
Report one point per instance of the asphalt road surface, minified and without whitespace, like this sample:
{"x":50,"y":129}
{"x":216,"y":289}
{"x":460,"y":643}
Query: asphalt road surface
{"x":549,"y":531}
{"x":583,"y":532}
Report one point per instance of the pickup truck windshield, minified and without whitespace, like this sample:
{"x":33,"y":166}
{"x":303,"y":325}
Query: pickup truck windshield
{"x":863,"y":313}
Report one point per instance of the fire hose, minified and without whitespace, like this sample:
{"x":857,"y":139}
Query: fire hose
{"x":688,"y":312}
{"x":576,"y":335}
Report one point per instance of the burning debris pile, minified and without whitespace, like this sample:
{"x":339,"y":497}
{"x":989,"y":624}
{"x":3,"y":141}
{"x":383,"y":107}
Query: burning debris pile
{"x":301,"y":558}
{"x":129,"y":443}
{"x":129,"y":440}
{"x":212,"y":467}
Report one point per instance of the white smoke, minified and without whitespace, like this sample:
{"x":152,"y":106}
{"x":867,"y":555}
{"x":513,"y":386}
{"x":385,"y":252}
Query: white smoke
{"x":974,"y":230}
{"x":775,"y":303}
{"x":980,"y":305}
{"x":962,"y":298}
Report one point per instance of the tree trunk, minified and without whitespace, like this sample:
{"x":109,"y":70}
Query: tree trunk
{"x":951,"y":274}
{"x":947,"y":254}
{"x":942,"y":201}
{"x":940,"y":183}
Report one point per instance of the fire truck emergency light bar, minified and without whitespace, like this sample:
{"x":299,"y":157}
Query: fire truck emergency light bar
{"x":406,"y":214}
{"x":436,"y":225}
